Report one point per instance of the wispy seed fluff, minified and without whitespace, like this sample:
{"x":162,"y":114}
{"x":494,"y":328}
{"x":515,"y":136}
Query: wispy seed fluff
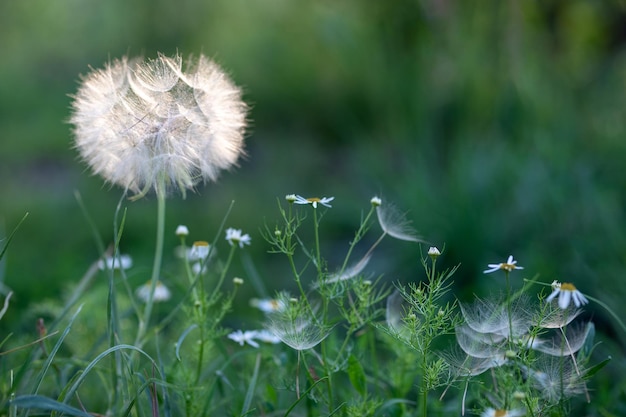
{"x":149,"y":124}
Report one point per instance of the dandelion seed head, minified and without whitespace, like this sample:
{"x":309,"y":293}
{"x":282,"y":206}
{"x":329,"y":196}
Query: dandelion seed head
{"x":394,"y":223}
{"x":152,"y":124}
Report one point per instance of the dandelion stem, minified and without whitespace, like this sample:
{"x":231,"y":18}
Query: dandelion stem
{"x":156,"y":266}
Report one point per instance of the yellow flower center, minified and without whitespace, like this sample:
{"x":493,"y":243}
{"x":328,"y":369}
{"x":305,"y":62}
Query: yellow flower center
{"x":201,"y":243}
{"x":566,"y":286}
{"x":500,"y":413}
{"x":507,"y":267}
{"x":314,"y":200}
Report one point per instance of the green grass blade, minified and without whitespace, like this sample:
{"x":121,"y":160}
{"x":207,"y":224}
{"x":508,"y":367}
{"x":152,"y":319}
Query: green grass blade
{"x":6,"y":245}
{"x":94,"y":362}
{"x":53,"y":352}
{"x":48,"y":404}
{"x":250,"y":393}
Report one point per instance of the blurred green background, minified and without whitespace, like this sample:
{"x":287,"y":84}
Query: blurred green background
{"x":499,"y":126}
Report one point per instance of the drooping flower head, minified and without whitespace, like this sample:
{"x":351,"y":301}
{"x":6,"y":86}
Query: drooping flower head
{"x":150,"y":124}
{"x":566,"y":292}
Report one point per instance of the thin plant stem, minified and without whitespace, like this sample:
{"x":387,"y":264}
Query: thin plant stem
{"x":156,"y":266}
{"x":318,"y":256}
{"x":220,"y":281}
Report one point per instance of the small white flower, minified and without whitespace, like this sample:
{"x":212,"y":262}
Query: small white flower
{"x":491,"y":412}
{"x":120,"y":262}
{"x":376,"y":201}
{"x":566,"y":293}
{"x":234,"y":236}
{"x":433,"y":252}
{"x":199,"y":251}
{"x":314,"y":201}
{"x":508,"y":266}
{"x":291,"y":198}
{"x":237,"y":281}
{"x":161,"y":292}
{"x":182,"y":230}
{"x":198,"y":268}
{"x":268,"y":305}
{"x":244,"y":337}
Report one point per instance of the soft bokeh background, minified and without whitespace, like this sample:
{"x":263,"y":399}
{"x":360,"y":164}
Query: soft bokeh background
{"x":499,"y":126}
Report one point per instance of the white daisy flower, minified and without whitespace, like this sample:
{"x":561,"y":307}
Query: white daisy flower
{"x":161,"y":292}
{"x":120,"y":262}
{"x":566,"y":292}
{"x":508,"y":266}
{"x":314,"y":201}
{"x":234,"y":236}
{"x":376,"y":201}
{"x":433,"y":252}
{"x":268,"y":305}
{"x":199,"y":251}
{"x":244,"y":337}
{"x":492,"y":412}
{"x":182,"y":230}
{"x":199,"y":268}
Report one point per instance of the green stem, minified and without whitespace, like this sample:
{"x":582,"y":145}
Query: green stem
{"x":224,"y":271}
{"x":607,"y":308}
{"x":156,"y":266}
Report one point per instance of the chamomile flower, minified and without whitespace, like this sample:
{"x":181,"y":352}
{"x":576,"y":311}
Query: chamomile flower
{"x":376,"y":201}
{"x":199,"y":251}
{"x":314,"y":201}
{"x":242,"y":337}
{"x":566,"y":292}
{"x":182,"y":230}
{"x":234,"y":236}
{"x":492,"y":412}
{"x":508,"y":266}
{"x":161,"y":292}
{"x":268,"y":305}
{"x":120,"y":262}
